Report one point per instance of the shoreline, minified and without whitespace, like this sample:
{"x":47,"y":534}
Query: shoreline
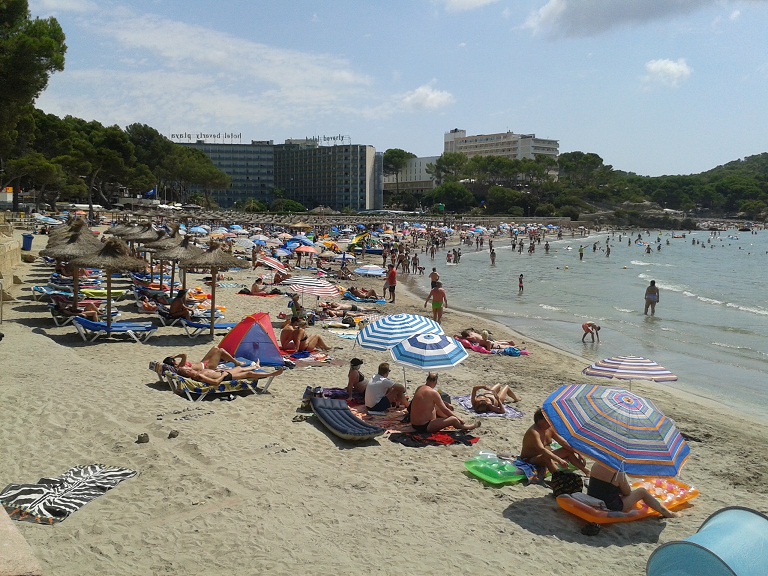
{"x":247,"y":469}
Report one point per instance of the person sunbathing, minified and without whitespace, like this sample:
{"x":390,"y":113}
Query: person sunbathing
{"x":484,"y":340}
{"x":89,"y":311}
{"x":214,"y":376}
{"x":363,"y":294}
{"x":259,"y":289}
{"x":345,"y":306}
{"x":294,"y":336}
{"x":212,"y":359}
{"x":536,"y":447}
{"x":280,"y":277}
{"x":612,"y":487}
{"x":179,"y":308}
{"x":486,"y":399}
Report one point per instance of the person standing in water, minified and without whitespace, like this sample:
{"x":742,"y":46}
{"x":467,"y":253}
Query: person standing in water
{"x":520,"y":284}
{"x":651,"y":298}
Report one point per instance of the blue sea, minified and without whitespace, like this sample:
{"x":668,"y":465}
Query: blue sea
{"x":711,"y":322}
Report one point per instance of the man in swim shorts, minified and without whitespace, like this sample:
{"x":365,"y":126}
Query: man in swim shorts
{"x":434,"y":277}
{"x":429,"y":413}
{"x":439,"y":301}
{"x":592,"y":329}
{"x":536,"y":447}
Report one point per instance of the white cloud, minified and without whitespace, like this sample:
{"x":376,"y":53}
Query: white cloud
{"x":425,"y":97}
{"x":581,"y":18}
{"x":667,"y":72}
{"x":466,"y":5}
{"x":735,"y":15}
{"x":43,"y":8}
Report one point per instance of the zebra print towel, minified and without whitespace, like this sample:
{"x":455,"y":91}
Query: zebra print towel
{"x":52,"y":500}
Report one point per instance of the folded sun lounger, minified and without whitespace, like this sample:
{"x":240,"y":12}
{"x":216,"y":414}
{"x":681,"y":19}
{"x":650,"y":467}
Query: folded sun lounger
{"x":194,"y":329}
{"x":90,"y":331}
{"x":338,"y":418}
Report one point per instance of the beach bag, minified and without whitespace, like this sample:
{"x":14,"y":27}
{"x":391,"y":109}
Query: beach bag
{"x":511,"y":351}
{"x":564,"y":482}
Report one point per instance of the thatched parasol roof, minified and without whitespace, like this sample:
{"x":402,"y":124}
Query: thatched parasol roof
{"x":214,"y":257}
{"x":77,"y":242}
{"x":144,"y":234}
{"x":182,"y":251}
{"x":112,"y":255}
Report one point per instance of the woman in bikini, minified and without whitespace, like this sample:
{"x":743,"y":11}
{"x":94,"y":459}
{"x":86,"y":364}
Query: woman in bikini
{"x":211,"y":360}
{"x":486,"y":399}
{"x":356,"y":382}
{"x":294,"y":336}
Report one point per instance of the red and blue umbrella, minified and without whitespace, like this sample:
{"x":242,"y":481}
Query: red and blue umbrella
{"x":617,"y":428}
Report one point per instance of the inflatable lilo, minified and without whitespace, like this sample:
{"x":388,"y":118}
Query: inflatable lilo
{"x":672,"y":494}
{"x":731,"y":542}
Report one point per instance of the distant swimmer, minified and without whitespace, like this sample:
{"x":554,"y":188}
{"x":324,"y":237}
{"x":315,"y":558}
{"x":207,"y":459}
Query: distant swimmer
{"x":651,"y":298}
{"x":592,"y":329}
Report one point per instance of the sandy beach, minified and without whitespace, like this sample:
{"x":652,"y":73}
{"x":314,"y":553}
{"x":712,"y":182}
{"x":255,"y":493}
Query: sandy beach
{"x":246,"y":489}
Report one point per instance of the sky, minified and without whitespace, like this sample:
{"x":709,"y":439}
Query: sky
{"x":653,"y":87}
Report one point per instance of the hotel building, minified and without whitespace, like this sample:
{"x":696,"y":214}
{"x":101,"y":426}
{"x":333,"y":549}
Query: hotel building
{"x":504,"y":144}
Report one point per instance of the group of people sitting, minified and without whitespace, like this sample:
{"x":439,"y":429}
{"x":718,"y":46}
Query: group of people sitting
{"x":259,"y":288}
{"x":208,"y":371}
{"x":428,"y":409}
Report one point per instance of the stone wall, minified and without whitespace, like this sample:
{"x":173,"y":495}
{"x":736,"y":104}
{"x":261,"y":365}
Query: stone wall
{"x":10,"y":257}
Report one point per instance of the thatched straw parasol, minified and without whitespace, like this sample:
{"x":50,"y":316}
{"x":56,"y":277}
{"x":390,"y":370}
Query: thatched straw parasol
{"x":165,"y":241}
{"x":183,"y":251}
{"x":113,"y":256}
{"x":78,"y":242}
{"x":215,"y":259}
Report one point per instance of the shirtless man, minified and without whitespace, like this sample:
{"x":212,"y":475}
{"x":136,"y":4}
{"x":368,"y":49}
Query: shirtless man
{"x":429,"y":413}
{"x":434,"y":277}
{"x":592,"y":329}
{"x":536,"y":451}
{"x":439,"y":301}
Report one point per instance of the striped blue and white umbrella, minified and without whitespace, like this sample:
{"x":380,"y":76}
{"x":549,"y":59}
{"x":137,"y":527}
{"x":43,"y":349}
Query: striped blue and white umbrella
{"x":429,"y":352}
{"x":391,"y":330}
{"x":618,"y":428}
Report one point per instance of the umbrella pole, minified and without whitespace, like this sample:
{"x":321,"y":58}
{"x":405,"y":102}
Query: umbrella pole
{"x":109,"y":299}
{"x":173,"y":272}
{"x":152,"y":272}
{"x":75,"y":287}
{"x":213,"y":300}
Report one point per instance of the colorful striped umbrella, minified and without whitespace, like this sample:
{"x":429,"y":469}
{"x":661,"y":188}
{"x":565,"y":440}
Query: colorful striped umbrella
{"x":272,"y":263}
{"x":391,"y":330}
{"x":314,"y":286}
{"x":617,"y":428}
{"x":629,"y":368}
{"x":429,"y":352}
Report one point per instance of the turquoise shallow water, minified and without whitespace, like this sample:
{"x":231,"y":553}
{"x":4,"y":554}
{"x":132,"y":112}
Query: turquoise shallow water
{"x":710,"y":327}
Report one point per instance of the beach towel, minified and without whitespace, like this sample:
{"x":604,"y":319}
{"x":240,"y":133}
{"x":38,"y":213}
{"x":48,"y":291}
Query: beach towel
{"x":530,"y":471}
{"x":421,"y":439}
{"x":346,"y":334}
{"x":350,"y":296}
{"x":52,"y":500}
{"x":509,"y":412}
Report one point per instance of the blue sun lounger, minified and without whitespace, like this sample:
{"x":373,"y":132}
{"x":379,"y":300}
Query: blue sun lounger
{"x":338,"y":418}
{"x":194,"y":329}
{"x":90,"y":331}
{"x":350,"y":296}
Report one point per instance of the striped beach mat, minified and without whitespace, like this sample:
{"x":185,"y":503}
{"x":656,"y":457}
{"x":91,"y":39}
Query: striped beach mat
{"x":52,"y":500}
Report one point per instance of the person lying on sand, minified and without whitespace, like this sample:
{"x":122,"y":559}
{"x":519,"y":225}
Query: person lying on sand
{"x":536,"y":451}
{"x":612,"y":487}
{"x":345,"y":306}
{"x":486,"y":399}
{"x":429,"y":413}
{"x":294,"y":336}
{"x":484,"y":340}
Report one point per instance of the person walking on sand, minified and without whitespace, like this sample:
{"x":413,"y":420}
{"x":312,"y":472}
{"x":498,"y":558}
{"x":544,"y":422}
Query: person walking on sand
{"x":651,"y":298}
{"x":439,"y":301}
{"x":592,"y":329}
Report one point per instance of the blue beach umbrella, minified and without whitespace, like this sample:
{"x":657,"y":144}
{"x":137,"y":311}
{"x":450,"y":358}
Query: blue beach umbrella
{"x":370,"y":270}
{"x":617,"y":428}
{"x":429,"y":352}
{"x":389,"y":331}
